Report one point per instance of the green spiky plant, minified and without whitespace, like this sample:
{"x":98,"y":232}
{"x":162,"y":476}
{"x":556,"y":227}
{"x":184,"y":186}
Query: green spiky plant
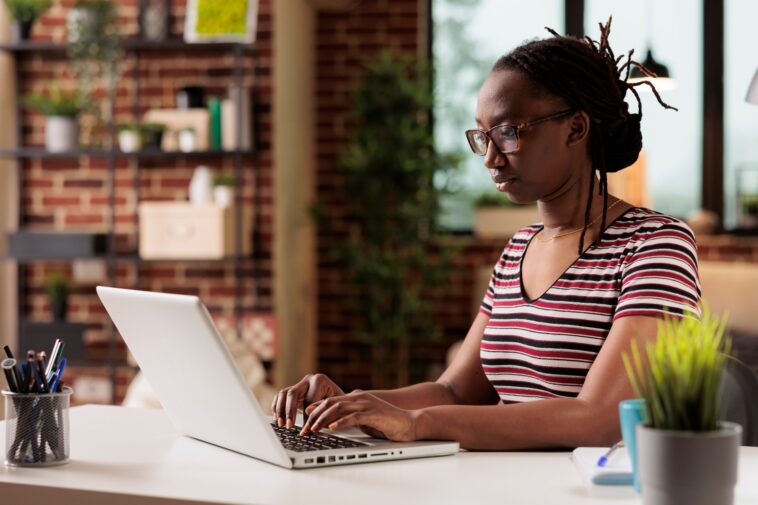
{"x":27,"y":11}
{"x":56,"y":102}
{"x":679,"y":375}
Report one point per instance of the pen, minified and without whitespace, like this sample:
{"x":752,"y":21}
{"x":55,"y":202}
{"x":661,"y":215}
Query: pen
{"x":44,"y":387}
{"x":53,"y":355}
{"x":9,"y":364}
{"x":603,"y":460}
{"x":58,"y":376}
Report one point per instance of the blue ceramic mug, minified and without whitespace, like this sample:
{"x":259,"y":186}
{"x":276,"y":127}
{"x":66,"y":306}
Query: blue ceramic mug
{"x":632,"y":413}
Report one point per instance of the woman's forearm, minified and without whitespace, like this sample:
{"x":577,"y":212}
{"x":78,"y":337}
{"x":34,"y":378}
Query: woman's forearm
{"x":418,"y":396}
{"x":545,"y":424}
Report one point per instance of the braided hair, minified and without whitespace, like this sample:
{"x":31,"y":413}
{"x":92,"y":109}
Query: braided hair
{"x":586,"y":74}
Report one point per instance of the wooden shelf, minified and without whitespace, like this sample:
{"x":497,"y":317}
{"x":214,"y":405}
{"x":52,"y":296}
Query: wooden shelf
{"x":41,"y":153}
{"x":129,"y":44}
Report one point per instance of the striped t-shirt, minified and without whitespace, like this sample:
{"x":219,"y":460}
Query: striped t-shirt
{"x":645,"y":263}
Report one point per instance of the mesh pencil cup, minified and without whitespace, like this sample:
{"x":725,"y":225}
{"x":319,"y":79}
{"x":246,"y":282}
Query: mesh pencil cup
{"x":37,"y":428}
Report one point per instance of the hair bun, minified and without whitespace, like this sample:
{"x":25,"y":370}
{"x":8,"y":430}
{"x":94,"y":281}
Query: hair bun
{"x":622,"y":144}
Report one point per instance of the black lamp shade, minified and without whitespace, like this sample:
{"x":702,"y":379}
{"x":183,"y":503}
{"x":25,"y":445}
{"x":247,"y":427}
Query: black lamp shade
{"x":659,"y":69}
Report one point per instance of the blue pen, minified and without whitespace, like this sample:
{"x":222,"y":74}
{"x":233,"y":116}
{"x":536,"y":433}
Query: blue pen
{"x":58,"y":375}
{"x":603,"y":460}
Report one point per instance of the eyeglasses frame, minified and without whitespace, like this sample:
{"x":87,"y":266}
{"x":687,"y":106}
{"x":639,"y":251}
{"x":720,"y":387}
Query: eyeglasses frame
{"x":517,"y":129}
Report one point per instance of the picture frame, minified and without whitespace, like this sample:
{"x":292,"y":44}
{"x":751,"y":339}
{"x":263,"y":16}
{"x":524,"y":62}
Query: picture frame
{"x":221,"y":21}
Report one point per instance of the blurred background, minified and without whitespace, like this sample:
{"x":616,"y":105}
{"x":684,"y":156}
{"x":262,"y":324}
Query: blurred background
{"x":301,"y":166}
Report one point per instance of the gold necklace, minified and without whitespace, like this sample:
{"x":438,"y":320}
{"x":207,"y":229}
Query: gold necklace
{"x":571,"y":232}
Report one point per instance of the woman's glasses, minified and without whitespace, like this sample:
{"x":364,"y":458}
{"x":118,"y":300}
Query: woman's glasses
{"x":505,"y":136}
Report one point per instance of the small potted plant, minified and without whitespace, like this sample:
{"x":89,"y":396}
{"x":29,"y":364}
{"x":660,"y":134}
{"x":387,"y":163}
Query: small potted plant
{"x":686,"y":453}
{"x":152,"y":135}
{"x":58,"y":288}
{"x":62,"y":109}
{"x":495,"y":216}
{"x":129,"y":137}
{"x":25,"y":13}
{"x":223,"y":189}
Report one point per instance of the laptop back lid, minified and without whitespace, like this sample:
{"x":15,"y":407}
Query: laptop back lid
{"x":185,"y":360}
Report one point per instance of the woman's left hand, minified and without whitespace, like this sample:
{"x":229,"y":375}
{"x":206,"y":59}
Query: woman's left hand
{"x":364,"y":411}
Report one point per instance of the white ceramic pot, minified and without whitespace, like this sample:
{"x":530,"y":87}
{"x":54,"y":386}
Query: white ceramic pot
{"x":187,"y":141}
{"x":223,"y":196}
{"x":688,"y":467}
{"x":129,"y":141}
{"x":201,"y":186}
{"x":61,"y":134}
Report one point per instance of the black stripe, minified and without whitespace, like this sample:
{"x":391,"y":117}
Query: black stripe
{"x":541,"y":344}
{"x":561,"y":321}
{"x":529,"y":385}
{"x":553,"y":370}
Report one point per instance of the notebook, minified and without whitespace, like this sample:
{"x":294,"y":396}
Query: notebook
{"x":617,"y":471}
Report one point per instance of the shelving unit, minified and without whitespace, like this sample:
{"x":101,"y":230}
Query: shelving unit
{"x":137,"y":49}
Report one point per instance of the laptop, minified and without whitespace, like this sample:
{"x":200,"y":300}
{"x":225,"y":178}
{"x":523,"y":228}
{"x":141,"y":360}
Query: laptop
{"x":187,"y":363}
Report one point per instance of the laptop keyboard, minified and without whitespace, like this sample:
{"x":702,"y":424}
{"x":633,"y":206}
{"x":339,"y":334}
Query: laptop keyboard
{"x":291,"y":439}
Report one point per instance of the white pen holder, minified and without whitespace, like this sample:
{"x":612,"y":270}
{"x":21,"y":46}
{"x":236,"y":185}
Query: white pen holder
{"x":37,"y":428}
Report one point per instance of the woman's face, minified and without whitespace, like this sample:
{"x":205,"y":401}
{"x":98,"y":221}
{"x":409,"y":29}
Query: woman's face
{"x":543,"y":165}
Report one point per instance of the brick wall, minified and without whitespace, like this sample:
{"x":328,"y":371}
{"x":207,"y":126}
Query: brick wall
{"x":73,"y":194}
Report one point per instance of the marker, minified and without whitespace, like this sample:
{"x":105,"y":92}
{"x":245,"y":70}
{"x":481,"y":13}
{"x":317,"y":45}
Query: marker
{"x":30,"y":367}
{"x":53,"y":357}
{"x":8,"y":365}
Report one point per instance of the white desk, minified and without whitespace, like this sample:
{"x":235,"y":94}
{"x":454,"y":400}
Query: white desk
{"x":121,"y":455}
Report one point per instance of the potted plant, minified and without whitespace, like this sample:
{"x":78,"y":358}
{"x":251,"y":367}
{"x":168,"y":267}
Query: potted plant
{"x":223,"y":189}
{"x":686,"y":453}
{"x":62,"y":109}
{"x":24,"y":13}
{"x":152,"y":135}
{"x":58,"y":287}
{"x":129,"y":137}
{"x":495,"y":216}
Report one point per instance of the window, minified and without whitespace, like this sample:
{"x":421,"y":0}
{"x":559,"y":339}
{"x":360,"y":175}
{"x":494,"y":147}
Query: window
{"x":672,"y":141}
{"x":740,"y":117}
{"x":469,"y":36}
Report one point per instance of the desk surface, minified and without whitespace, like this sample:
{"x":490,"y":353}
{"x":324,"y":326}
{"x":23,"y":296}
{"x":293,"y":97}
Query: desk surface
{"x":118,"y":454}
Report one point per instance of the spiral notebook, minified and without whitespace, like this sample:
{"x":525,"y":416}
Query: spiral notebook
{"x":617,"y":471}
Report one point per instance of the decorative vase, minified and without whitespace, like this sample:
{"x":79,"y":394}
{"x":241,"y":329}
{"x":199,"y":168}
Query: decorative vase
{"x":129,"y":141}
{"x":59,"y":308}
{"x":21,"y":31}
{"x":696,"y":468}
{"x":187,"y":141}
{"x":61,"y":134}
{"x":201,"y":186}
{"x":154,"y":16}
{"x":223,"y":196}
{"x":76,"y":21}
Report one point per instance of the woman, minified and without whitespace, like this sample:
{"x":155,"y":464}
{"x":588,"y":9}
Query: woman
{"x":567,"y":296}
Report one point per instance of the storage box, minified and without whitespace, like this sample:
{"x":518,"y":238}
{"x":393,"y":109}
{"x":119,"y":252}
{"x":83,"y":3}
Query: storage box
{"x":181,"y":230}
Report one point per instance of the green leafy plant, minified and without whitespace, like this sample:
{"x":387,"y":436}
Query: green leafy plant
{"x":57,"y":286}
{"x":391,"y":251}
{"x":56,"y":102}
{"x":224,"y":179}
{"x":679,"y":375}
{"x":489,"y":199}
{"x":26,"y":11}
{"x":129,"y":127}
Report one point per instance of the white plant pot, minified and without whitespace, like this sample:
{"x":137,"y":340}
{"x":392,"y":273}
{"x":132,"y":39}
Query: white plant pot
{"x":503,"y":222}
{"x":61,"y":134}
{"x":688,"y":467}
{"x":223,"y":196}
{"x":201,"y":186}
{"x":129,"y":141}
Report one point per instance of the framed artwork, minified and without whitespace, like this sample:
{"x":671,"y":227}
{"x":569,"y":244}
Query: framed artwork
{"x":221,"y":21}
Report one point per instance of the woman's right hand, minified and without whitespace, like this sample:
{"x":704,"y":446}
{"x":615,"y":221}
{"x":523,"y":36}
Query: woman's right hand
{"x":310,"y":389}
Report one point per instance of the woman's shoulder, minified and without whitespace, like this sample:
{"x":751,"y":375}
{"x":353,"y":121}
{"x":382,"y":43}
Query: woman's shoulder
{"x":640,"y":223}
